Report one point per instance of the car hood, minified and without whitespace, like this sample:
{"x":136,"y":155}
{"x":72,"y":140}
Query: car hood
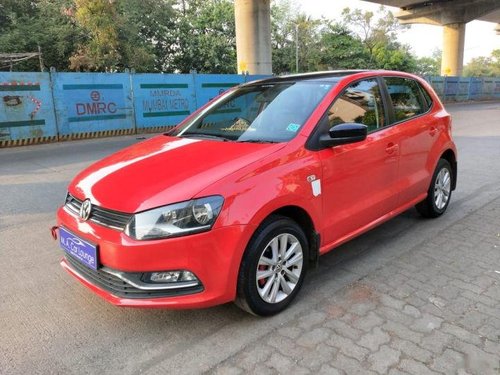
{"x":163,"y":170}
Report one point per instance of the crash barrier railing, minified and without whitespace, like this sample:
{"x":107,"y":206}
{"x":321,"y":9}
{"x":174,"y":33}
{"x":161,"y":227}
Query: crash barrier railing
{"x":53,"y":106}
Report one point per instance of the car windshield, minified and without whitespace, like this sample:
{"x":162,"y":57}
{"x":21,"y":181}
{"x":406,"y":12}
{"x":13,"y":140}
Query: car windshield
{"x":272,"y":112}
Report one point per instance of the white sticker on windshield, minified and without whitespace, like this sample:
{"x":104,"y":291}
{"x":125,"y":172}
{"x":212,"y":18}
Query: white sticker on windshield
{"x":293,"y":127}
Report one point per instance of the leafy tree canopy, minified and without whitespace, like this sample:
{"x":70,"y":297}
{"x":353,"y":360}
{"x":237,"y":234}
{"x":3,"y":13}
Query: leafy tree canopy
{"x":184,"y":35}
{"x":484,"y":66}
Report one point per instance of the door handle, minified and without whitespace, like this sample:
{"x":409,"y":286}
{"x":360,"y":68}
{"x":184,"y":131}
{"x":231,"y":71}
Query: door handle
{"x":432,"y":131}
{"x":391,"y":148}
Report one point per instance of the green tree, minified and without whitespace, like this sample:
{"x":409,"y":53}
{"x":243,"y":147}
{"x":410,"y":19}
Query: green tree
{"x":206,"y":37}
{"x":295,"y":39}
{"x":393,"y":56}
{"x":379,"y":36}
{"x":283,"y":34}
{"x":25,"y":25}
{"x":341,"y":50}
{"x":121,"y":35}
{"x":429,"y":66}
{"x":495,"y":65}
{"x":154,"y":30}
{"x":484,"y":66}
{"x":100,"y":51}
{"x":308,"y":37}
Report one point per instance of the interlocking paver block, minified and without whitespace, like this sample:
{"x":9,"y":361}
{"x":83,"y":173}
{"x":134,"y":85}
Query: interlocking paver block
{"x":414,"y":367}
{"x":427,"y":323}
{"x":411,"y":350}
{"x":461,"y":333}
{"x":368,"y":322}
{"x":449,"y":362}
{"x":374,"y":339}
{"x":344,"y":329}
{"x":347,"y":347}
{"x":228,"y":370}
{"x":316,"y":358}
{"x":412,"y":311}
{"x":314,"y":337}
{"x":312,"y":319}
{"x":383,"y":359}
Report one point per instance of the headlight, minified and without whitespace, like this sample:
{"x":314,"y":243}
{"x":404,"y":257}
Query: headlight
{"x":178,"y":219}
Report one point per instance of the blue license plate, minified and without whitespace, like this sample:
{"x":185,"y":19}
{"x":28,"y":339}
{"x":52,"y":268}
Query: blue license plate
{"x":80,"y":249}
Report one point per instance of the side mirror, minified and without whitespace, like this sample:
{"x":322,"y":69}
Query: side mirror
{"x":343,"y":134}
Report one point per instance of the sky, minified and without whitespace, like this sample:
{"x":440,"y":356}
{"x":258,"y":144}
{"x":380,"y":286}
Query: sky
{"x":480,"y":37}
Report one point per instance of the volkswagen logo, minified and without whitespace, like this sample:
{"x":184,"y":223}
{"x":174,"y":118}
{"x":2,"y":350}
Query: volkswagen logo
{"x":85,"y":209}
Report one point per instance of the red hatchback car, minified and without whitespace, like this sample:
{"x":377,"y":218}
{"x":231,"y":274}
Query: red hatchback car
{"x":236,"y":202}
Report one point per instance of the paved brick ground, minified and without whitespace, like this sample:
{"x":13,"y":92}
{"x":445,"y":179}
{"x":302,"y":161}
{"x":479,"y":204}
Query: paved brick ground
{"x":411,"y":296}
{"x":433,"y":310}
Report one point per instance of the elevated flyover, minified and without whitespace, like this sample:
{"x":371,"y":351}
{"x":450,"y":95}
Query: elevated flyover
{"x":253,"y":28}
{"x":453,"y":16}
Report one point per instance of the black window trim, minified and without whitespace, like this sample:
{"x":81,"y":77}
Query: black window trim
{"x":312,"y":143}
{"x":422,"y":90}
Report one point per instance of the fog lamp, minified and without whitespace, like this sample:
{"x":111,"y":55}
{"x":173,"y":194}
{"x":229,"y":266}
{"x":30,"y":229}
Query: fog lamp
{"x":169,"y":277}
{"x":165,"y":277}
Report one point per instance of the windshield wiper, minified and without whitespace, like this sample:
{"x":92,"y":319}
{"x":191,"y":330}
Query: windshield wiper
{"x":258,"y":141}
{"x":209,"y":136}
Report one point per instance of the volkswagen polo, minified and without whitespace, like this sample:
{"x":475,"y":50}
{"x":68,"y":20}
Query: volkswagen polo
{"x":240,"y":199}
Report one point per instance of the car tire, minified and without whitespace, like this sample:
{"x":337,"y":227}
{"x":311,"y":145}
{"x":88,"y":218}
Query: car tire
{"x":273,"y":267}
{"x":439,"y":193}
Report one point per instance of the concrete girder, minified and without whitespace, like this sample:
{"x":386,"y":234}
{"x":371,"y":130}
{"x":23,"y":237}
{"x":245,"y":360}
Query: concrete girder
{"x":446,"y":12}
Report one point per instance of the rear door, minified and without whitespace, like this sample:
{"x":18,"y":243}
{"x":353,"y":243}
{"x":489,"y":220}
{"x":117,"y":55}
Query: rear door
{"x":418,"y":133}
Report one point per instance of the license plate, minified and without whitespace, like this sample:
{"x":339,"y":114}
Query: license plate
{"x":79,"y":249}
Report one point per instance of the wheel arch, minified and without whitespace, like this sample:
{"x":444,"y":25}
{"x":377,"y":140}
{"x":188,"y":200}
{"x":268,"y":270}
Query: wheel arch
{"x":304,"y":220}
{"x":449,"y":155}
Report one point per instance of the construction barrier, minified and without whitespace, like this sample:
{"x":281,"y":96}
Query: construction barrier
{"x":53,"y":106}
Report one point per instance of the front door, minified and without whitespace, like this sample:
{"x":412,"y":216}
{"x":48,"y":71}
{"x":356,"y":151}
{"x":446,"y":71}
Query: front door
{"x":359,"y":179}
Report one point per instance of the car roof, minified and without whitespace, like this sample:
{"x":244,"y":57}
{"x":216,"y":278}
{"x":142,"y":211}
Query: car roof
{"x":325,"y":76}
{"x":331,"y":76}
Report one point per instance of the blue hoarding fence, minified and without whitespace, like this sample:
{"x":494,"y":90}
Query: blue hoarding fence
{"x":52,"y":106}
{"x":466,"y":88}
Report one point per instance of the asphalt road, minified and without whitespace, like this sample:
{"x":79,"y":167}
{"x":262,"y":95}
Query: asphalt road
{"x":51,"y":324}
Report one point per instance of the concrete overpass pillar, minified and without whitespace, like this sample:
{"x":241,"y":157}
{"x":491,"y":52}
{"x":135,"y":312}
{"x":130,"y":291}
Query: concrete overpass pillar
{"x":253,"y":36}
{"x":452,"y":62}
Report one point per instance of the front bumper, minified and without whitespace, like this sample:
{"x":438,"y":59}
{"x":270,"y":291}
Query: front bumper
{"x":213,"y":256}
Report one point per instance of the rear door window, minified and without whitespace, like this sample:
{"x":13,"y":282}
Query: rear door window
{"x":406,"y":98}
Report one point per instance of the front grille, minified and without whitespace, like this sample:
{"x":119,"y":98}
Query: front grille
{"x":108,"y":218}
{"x":120,"y":288}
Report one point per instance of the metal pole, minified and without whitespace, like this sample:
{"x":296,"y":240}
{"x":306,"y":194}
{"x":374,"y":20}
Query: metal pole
{"x":296,"y":48}
{"x":40,"y":59}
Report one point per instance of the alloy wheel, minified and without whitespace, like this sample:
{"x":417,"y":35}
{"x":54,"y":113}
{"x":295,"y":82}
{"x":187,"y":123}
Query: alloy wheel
{"x":279,"y":268}
{"x":442,"y":188}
